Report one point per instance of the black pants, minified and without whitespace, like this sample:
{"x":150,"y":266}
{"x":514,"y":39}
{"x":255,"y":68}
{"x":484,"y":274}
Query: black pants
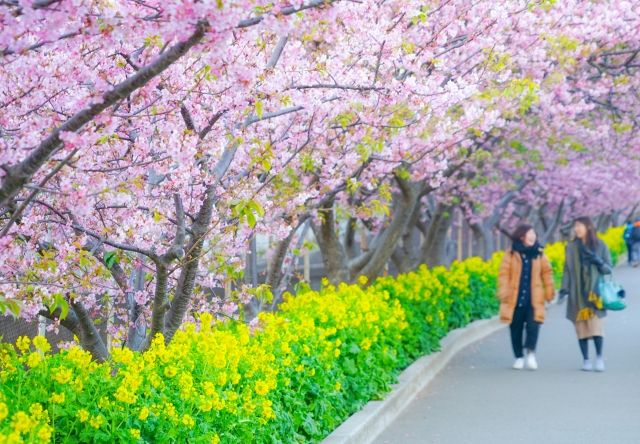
{"x":523,"y":319}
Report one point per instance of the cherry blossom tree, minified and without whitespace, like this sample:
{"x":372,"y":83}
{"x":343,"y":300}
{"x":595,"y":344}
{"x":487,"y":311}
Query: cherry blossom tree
{"x":145,"y":145}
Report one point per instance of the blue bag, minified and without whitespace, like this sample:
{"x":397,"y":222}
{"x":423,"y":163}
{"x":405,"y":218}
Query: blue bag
{"x":612,"y":294}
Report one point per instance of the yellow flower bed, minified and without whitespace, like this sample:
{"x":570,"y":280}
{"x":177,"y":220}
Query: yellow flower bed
{"x":295,"y":378}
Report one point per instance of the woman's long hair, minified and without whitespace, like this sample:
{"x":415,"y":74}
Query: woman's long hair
{"x":592,"y":233}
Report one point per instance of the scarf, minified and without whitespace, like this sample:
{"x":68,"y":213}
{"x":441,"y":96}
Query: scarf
{"x":531,"y":252}
{"x":587,"y":275}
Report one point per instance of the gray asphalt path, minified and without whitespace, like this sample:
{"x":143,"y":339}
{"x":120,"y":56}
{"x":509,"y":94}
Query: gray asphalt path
{"x":478,"y":398}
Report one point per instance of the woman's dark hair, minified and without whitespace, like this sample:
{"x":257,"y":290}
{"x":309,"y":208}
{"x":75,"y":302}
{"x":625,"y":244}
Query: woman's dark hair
{"x":592,"y":233}
{"x":520,"y":232}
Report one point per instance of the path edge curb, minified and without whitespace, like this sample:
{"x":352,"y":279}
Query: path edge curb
{"x":365,"y":425}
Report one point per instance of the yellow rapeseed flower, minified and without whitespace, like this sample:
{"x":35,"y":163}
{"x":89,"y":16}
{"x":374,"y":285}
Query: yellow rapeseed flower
{"x":144,"y":414}
{"x":188,"y":421}
{"x":104,"y":402}
{"x":41,"y":344}
{"x":262,"y":388}
{"x":206,"y":405}
{"x":34,"y":359}
{"x":135,"y":433}
{"x":23,"y":343}
{"x":57,"y":398}
{"x":219,"y":361}
{"x":125,"y":394}
{"x":44,"y":434}
{"x":170,"y":410}
{"x":36,"y":410}
{"x":219,"y":404}
{"x":155,"y":380}
{"x":4,"y":411}
{"x":21,"y":422}
{"x":267,"y":409}
{"x":79,"y":357}
{"x":62,"y":375}
{"x":82,"y":415}
{"x":97,"y":421}
{"x":122,"y":355}
{"x":205,"y":322}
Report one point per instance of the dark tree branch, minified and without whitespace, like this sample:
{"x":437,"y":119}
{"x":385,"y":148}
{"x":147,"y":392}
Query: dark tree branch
{"x":186,"y":116}
{"x":289,"y":10}
{"x":177,"y":248}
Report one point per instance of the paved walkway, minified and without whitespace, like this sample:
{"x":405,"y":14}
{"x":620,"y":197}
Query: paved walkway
{"x":478,"y":398}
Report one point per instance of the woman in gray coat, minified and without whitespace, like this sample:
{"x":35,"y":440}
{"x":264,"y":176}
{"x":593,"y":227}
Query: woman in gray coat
{"x":586,"y":259}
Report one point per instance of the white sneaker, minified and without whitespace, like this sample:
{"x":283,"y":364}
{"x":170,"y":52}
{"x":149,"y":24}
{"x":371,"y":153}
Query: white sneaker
{"x":532,"y":363}
{"x":519,"y":364}
{"x":599,"y":364}
{"x":587,"y":366}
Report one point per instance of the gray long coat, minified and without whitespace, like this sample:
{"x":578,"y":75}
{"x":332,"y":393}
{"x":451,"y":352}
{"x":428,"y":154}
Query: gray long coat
{"x":572,"y":253}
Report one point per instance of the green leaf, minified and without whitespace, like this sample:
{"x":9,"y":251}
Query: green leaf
{"x":350,"y":367}
{"x":247,"y":210}
{"x":10,"y":305}
{"x":110,"y":259}
{"x":251,"y":218}
{"x":259,"y":109}
{"x":263,"y":293}
{"x":403,"y":173}
{"x":60,"y":302}
{"x":84,"y":260}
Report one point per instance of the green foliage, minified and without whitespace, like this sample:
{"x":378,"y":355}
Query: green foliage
{"x":615,"y":241}
{"x":10,"y":306}
{"x":496,"y":61}
{"x":111,"y":258}
{"x":59,"y":302}
{"x":524,"y":91}
{"x":248,"y":211}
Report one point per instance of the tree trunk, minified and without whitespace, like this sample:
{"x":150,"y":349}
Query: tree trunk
{"x":405,"y":203}
{"x":88,"y":334}
{"x":406,"y":255}
{"x":186,"y":281}
{"x":434,"y":248}
{"x":350,"y":246}
{"x":137,"y":328}
{"x":549,"y":234}
{"x":333,"y":254}
{"x":482,"y":233}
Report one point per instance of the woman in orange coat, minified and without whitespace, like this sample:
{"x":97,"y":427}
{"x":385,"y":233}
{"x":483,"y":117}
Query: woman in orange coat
{"x":525,"y":282}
